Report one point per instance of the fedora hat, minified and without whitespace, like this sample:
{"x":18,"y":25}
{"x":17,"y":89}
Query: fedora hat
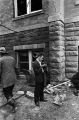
{"x":2,"y":50}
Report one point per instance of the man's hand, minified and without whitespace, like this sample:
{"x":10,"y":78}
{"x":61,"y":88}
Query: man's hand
{"x":44,"y":65}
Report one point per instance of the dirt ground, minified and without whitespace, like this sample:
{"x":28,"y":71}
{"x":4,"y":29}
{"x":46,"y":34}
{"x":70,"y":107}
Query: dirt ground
{"x":26,"y":109}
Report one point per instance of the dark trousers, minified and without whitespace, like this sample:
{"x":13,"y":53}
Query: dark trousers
{"x":38,"y":93}
{"x":8,"y":92}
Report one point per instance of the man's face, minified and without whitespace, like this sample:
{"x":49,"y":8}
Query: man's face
{"x":41,"y":58}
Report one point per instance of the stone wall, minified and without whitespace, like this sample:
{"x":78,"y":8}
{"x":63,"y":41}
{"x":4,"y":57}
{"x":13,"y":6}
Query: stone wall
{"x":71,"y":8}
{"x":71,"y":47}
{"x":56,"y":51}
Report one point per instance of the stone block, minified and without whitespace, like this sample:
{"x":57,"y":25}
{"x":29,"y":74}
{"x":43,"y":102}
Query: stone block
{"x":57,"y":43}
{"x":69,"y":25}
{"x":56,"y":53}
{"x":72,"y":48}
{"x":56,"y":23}
{"x":71,"y":43}
{"x":71,"y":29}
{"x":57,"y":71}
{"x":71,"y":69}
{"x":71,"y":58}
{"x":71,"y":64}
{"x":72,"y":38}
{"x":71,"y":53}
{"x":69,"y":75}
{"x":68,"y":34}
{"x":56,"y":33}
{"x":57,"y":65}
{"x":76,"y":29}
{"x":76,"y":38}
{"x":54,"y":28}
{"x":76,"y":24}
{"x":55,"y":48}
{"x":59,"y":23}
{"x":57,"y":78}
{"x":56,"y":59}
{"x":76,"y":33}
{"x":55,"y":38}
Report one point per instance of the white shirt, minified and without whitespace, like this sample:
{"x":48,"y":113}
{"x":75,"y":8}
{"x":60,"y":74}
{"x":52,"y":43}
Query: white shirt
{"x":40,"y":64}
{"x":38,"y":61}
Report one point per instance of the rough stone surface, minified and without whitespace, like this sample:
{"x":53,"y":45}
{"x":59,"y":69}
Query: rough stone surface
{"x":72,"y":53}
{"x":72,"y":38}
{"x":69,"y":74}
{"x":71,"y":64}
{"x":57,"y":53}
{"x":56,"y":59}
{"x":71,"y":47}
{"x":72,"y":58}
{"x":71,"y":69}
{"x":56,"y":50}
{"x":57,"y":65}
{"x":71,"y":43}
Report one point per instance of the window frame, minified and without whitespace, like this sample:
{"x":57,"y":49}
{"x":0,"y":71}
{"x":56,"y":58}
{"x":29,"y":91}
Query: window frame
{"x":28,"y":9}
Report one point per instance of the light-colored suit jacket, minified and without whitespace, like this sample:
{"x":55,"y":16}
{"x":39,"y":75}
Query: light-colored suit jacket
{"x":7,"y":71}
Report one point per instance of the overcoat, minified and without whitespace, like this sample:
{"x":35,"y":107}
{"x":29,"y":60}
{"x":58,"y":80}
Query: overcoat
{"x":39,"y":75}
{"x":7,"y":71}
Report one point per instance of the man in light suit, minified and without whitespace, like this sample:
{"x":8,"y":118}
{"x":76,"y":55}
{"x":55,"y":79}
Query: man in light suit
{"x":39,"y":79}
{"x":7,"y":74}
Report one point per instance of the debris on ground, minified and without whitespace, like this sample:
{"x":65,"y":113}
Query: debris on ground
{"x":28,"y":93}
{"x":51,"y":88}
{"x":20,"y":92}
{"x":58,"y":92}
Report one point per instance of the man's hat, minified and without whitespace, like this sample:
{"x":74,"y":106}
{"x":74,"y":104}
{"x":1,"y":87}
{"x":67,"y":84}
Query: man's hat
{"x":39,"y":54}
{"x":2,"y":50}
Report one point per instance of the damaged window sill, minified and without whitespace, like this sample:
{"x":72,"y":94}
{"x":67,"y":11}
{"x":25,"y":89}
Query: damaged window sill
{"x":28,"y":15}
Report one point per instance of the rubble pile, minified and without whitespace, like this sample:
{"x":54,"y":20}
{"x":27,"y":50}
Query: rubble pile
{"x":58,"y":92}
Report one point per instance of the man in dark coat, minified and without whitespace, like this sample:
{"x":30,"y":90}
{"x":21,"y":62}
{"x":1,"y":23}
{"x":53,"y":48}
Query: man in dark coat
{"x":39,"y":79}
{"x":75,"y":82}
{"x":7,"y":74}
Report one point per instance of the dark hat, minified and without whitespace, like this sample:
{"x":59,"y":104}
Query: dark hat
{"x":39,"y":54}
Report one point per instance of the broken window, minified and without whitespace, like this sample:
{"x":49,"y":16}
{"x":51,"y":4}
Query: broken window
{"x":36,"y":5}
{"x":26,"y":6}
{"x":23,"y":60}
{"x":21,"y":7}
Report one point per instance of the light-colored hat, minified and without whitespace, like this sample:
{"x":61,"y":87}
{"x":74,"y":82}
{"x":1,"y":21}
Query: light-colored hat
{"x":2,"y":50}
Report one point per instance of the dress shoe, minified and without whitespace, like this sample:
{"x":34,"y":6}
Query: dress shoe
{"x":37,"y":104}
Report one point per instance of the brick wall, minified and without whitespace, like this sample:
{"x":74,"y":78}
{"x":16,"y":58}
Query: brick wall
{"x":33,"y":36}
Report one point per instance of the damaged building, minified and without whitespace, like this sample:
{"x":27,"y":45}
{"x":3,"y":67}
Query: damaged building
{"x":49,"y":26}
